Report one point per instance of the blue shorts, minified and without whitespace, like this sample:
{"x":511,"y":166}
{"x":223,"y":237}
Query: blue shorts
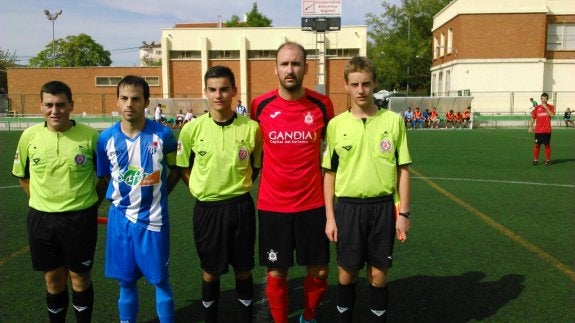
{"x":132,"y":251}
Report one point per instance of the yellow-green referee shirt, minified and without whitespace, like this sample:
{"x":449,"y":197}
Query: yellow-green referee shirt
{"x":365,"y":153}
{"x":60,"y":167}
{"x":221,"y":156}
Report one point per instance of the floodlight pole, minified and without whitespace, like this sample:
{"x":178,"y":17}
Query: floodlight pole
{"x":409,"y":48}
{"x":52,"y":17}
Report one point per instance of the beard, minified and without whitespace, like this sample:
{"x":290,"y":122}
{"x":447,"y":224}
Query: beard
{"x":292,"y":86}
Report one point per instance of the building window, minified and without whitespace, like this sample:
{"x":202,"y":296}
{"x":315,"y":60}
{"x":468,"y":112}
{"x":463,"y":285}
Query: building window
{"x":224,"y":54}
{"x":343,"y":52}
{"x":449,"y":40}
{"x":152,"y":80}
{"x":447,"y":82}
{"x":262,"y":54}
{"x":440,"y":85}
{"x":108,"y":80}
{"x":442,"y":45}
{"x":435,"y":47}
{"x":114,"y":80}
{"x":185,"y":54}
{"x":561,"y":37}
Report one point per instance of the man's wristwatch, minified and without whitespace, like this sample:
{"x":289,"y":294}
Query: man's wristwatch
{"x":405,"y":214}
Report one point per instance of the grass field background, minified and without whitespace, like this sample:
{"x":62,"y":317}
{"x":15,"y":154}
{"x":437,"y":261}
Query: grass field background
{"x":492,"y":239}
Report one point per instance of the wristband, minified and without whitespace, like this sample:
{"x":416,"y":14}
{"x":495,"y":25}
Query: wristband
{"x":405,"y":214}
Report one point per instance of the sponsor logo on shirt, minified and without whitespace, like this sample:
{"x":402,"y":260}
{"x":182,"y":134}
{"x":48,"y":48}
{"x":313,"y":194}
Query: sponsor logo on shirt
{"x":275,"y":114}
{"x":292,"y":137}
{"x":135,"y":176}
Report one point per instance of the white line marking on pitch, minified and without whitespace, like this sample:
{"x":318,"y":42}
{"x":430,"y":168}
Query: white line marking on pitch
{"x":493,"y":181}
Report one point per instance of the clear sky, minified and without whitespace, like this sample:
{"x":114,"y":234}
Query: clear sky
{"x":121,"y":25}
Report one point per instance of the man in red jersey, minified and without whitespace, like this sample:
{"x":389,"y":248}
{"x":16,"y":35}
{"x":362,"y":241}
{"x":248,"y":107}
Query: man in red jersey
{"x":541,"y":117}
{"x":290,"y":204}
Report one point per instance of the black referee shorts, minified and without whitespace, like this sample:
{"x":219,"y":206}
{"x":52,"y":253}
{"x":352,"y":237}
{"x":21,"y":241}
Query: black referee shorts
{"x":63,"y":239}
{"x":225,"y":234}
{"x":366,"y":232}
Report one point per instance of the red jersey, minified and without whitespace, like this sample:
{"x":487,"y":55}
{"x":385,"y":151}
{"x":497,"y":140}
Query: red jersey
{"x":291,"y":177}
{"x":449,"y":116}
{"x":542,"y":118}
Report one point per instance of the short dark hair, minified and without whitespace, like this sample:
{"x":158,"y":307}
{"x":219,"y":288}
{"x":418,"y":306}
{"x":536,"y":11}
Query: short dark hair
{"x":136,"y":81}
{"x":56,"y":87}
{"x":220,"y":71}
{"x":545,"y":95}
{"x":292,"y":44}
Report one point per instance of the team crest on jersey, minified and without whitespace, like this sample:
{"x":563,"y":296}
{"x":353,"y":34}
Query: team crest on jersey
{"x":308,"y":118}
{"x":272,"y":255}
{"x":153,"y":147}
{"x":243,"y":153}
{"x":17,"y":157}
{"x":80,"y":159}
{"x":385,"y":145}
{"x":180,"y":148}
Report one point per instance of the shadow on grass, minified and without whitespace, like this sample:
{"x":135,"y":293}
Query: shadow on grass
{"x":414,"y":299}
{"x":561,"y":161}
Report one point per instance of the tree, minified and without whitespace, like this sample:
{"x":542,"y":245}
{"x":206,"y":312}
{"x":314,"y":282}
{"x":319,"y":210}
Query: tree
{"x":400,"y":43}
{"x":7,"y":59}
{"x":254,"y":19}
{"x":80,"y":50}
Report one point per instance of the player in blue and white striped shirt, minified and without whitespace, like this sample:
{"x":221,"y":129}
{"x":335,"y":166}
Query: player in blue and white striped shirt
{"x":136,"y":155}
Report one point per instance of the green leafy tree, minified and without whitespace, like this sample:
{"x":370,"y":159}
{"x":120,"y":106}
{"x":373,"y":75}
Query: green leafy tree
{"x":400,"y":44}
{"x":7,"y":59}
{"x":80,"y":50}
{"x":254,"y":19}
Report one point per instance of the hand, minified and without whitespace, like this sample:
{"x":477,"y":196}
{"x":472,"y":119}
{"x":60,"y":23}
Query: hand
{"x":331,"y":230}
{"x":402,"y":226}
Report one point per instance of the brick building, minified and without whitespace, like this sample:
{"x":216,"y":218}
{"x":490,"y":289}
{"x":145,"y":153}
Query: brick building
{"x":188,"y":50}
{"x":503,"y":52}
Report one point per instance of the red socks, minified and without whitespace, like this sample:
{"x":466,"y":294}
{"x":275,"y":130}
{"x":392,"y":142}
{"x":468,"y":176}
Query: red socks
{"x":277,"y":294}
{"x":313,"y":289}
{"x":536,"y":150}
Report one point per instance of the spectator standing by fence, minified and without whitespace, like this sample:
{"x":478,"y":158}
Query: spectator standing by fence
{"x":567,"y":118}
